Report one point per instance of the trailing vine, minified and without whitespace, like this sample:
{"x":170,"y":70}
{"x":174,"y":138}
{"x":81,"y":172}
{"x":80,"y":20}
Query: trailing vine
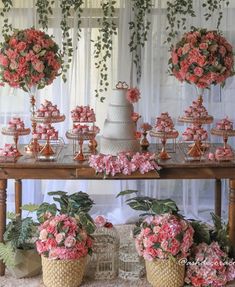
{"x":212,"y":6}
{"x":44,"y":9}
{"x":7,"y":5}
{"x":104,"y":45}
{"x":67,"y":46}
{"x":178,"y":10}
{"x":139,"y":27}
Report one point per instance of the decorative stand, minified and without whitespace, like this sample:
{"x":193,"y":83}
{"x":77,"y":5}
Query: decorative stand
{"x":16,"y":135}
{"x":225,"y":134}
{"x":80,"y":138}
{"x":47,"y":150}
{"x":164,"y":136}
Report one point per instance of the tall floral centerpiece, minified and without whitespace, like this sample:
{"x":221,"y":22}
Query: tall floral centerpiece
{"x":29,"y":60}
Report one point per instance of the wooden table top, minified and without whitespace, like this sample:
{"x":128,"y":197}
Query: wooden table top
{"x":26,"y":167}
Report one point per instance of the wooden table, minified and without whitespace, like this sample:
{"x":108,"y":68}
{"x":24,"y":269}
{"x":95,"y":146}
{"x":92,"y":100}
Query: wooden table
{"x":65,"y":168}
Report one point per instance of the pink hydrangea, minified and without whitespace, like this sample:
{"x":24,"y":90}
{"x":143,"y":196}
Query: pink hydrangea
{"x":163,"y":236}
{"x":202,"y":58}
{"x":61,"y":237}
{"x":209,"y":266}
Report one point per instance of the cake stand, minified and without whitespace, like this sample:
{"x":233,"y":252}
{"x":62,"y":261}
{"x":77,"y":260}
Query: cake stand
{"x":164,"y":136}
{"x":81,"y":137}
{"x":47,"y":149}
{"x":16,"y":134}
{"x":225,"y":134}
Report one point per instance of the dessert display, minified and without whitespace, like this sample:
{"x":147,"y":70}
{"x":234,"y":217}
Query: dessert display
{"x":8,"y":152}
{"x":119,"y":131}
{"x":223,"y":153}
{"x":224,"y":124}
{"x":164,"y":129}
{"x":83,"y":114}
{"x":196,"y":114}
{"x":46,"y":114}
{"x":16,"y":128}
{"x":84,"y":129}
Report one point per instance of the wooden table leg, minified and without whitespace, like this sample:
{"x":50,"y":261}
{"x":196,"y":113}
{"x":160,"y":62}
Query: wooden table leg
{"x":218,"y":197}
{"x":3,"y":197}
{"x":231,"y":213}
{"x":18,"y":196}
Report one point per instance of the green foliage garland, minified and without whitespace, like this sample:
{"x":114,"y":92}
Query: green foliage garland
{"x":7,"y":5}
{"x":139,"y":28}
{"x":104,"y":45}
{"x":44,"y":9}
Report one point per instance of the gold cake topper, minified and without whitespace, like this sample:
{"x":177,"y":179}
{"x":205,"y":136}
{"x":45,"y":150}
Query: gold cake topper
{"x":122,"y":85}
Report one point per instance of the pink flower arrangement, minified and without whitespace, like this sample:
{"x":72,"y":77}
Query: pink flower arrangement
{"x":125,"y":163}
{"x":164,"y":236}
{"x":133,"y":95}
{"x":29,"y":58}
{"x":61,"y":237}
{"x":146,"y":127}
{"x":202,"y":58}
{"x":211,"y":267}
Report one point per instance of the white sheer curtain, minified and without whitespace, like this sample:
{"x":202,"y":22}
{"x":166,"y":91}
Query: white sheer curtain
{"x":159,"y":92}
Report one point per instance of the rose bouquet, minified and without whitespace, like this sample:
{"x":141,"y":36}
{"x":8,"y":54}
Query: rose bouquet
{"x":62,"y":237}
{"x":210,"y":266}
{"x":29,"y":58}
{"x":164,"y":236}
{"x":202,"y":58}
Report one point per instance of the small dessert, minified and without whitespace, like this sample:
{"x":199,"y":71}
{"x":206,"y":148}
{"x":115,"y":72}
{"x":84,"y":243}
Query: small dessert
{"x":195,"y":133}
{"x":224,"y":124}
{"x":45,"y":131}
{"x":8,"y":151}
{"x":47,"y":110}
{"x":224,"y":153}
{"x":15,"y":125}
{"x":164,"y":123}
{"x":82,"y":129}
{"x":83,"y":114}
{"x":196,"y":110}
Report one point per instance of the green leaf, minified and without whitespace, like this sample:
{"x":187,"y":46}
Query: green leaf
{"x":201,"y":232}
{"x":7,"y":254}
{"x":46,"y":208}
{"x":86,"y":222}
{"x":30,"y":207}
{"x":126,"y":192}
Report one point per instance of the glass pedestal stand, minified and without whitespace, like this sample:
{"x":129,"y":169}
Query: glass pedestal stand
{"x":80,"y":138}
{"x":16,"y":135}
{"x":164,"y":136}
{"x":47,"y":150}
{"x":225,"y":134}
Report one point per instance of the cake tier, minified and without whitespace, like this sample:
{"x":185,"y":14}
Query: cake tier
{"x":118,"y":98}
{"x":119,"y":113}
{"x":115,"y":146}
{"x":119,"y":130}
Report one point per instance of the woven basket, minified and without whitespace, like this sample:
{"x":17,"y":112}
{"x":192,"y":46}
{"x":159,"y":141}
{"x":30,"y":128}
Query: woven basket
{"x":62,"y":273}
{"x":165,"y":273}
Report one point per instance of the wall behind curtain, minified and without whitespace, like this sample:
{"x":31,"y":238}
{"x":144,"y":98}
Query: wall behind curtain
{"x":159,"y":93}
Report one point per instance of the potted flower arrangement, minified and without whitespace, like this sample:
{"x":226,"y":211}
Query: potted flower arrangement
{"x":64,"y":238}
{"x":202,"y":58}
{"x":18,"y":252}
{"x":162,"y":237}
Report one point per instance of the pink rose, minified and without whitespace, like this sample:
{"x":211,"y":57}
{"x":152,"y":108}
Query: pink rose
{"x":100,"y":221}
{"x":198,"y":71}
{"x":174,"y":58}
{"x":13,"y":42}
{"x":38,"y":66}
{"x":43,"y":235}
{"x":3,"y":60}
{"x":21,"y":46}
{"x":69,"y":242}
{"x":133,"y":95}
{"x":59,"y":237}
{"x":203,"y":46}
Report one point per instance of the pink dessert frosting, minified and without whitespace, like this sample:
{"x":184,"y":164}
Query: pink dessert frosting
{"x":224,"y":124}
{"x":222,"y":153}
{"x":194,"y":133}
{"x":45,"y":131}
{"x":83,"y":114}
{"x":196,"y":110}
{"x":8,"y":150}
{"x":164,"y":123}
{"x":47,"y":109}
{"x":79,"y":128}
{"x":15,"y":124}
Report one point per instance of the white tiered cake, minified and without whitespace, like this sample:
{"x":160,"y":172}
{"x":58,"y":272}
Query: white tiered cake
{"x":119,"y":128}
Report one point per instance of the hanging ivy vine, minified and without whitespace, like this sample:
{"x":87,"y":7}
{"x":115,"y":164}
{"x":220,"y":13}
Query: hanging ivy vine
{"x":139,"y":27}
{"x":213,"y":6}
{"x":7,"y":5}
{"x":104,"y":45}
{"x":67,"y":45}
{"x":44,"y":10}
{"x":179,"y":10}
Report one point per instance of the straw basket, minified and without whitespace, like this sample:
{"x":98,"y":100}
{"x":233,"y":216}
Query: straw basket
{"x":165,"y":273}
{"x":63,"y":273}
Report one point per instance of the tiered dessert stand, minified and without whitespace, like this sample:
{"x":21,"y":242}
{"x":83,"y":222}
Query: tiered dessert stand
{"x":225,"y":134}
{"x":47,"y":150}
{"x":16,"y":134}
{"x":197,"y":149}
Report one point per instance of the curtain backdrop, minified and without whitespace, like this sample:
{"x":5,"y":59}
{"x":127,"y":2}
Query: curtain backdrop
{"x":159,"y":93}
